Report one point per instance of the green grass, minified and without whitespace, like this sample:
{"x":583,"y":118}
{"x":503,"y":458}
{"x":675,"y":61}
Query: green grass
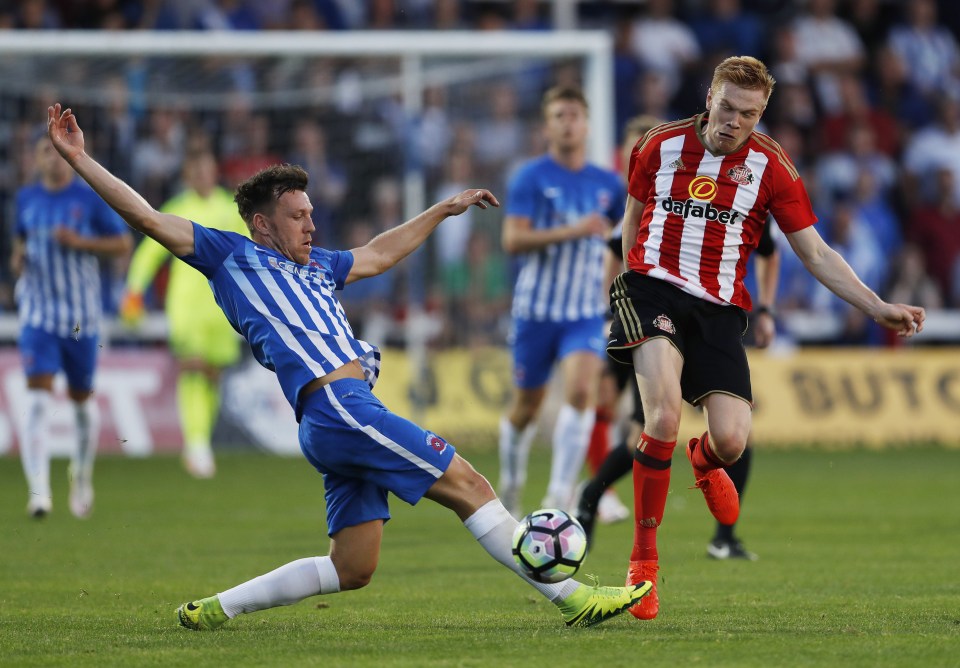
{"x":860,"y":556}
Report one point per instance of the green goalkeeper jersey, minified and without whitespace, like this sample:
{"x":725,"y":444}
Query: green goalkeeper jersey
{"x":187,"y":289}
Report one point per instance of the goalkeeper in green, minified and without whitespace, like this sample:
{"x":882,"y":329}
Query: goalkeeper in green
{"x":201,"y":339}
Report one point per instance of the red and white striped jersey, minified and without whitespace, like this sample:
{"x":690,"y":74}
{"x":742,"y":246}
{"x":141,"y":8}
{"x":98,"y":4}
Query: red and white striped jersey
{"x":703,"y":214}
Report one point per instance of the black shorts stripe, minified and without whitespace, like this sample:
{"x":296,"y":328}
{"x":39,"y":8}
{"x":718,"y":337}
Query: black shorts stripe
{"x":623,"y":307}
{"x":630,"y":321}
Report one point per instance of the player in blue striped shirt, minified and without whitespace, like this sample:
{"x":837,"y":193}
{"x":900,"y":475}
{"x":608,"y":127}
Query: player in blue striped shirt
{"x":559,"y":210}
{"x":278,"y":292}
{"x":62,"y":226}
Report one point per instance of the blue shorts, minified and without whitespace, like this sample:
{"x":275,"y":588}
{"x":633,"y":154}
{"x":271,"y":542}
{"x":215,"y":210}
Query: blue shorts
{"x":537,"y":344}
{"x":364,"y":451}
{"x":46,"y":353}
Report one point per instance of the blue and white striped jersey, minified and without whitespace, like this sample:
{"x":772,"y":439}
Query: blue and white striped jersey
{"x":286,"y":311}
{"x":564,"y":281}
{"x":59,"y":291}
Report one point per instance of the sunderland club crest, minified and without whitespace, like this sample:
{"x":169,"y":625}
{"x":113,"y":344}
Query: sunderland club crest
{"x":664,"y":324}
{"x":740,"y":174}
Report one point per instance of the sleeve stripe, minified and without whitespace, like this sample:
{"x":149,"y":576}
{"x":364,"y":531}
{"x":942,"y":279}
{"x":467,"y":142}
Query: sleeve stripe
{"x":660,"y":129}
{"x":771,"y":145}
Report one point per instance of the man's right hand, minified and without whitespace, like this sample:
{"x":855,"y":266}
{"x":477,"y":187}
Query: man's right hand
{"x":593,"y":225}
{"x":64,"y":132}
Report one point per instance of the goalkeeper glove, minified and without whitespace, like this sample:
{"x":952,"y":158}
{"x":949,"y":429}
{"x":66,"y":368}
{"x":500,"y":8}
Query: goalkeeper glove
{"x":131,"y":309}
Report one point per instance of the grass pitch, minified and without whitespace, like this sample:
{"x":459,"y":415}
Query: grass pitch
{"x":859,"y":562}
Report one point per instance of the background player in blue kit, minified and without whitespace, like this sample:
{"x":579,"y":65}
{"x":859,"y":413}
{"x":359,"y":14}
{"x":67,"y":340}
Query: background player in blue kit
{"x":278,"y":292}
{"x":61,"y":228}
{"x":559,"y":210}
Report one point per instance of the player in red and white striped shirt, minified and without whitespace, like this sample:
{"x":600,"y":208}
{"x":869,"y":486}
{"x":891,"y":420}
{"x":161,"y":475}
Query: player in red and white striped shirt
{"x":700,"y":190}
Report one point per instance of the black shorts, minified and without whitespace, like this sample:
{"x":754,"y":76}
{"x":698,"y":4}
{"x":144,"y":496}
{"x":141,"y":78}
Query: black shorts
{"x":624,"y":376}
{"x":708,"y":336}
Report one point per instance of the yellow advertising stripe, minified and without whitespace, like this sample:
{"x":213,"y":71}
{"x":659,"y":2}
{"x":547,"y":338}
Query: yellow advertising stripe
{"x":854,"y":397}
{"x":867,"y":396}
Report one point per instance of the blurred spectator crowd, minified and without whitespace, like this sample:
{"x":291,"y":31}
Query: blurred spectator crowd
{"x":867,"y":104}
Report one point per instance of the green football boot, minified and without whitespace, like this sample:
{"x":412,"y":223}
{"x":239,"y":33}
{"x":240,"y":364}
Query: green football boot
{"x":204,"y":615}
{"x":591,"y":605}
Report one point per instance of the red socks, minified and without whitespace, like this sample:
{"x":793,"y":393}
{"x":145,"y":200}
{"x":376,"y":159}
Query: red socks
{"x":651,"y":481}
{"x":599,"y":441}
{"x":703,"y":458}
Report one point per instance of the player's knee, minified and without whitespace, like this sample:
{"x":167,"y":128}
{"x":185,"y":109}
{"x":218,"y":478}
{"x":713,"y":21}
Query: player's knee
{"x":354,"y":570}
{"x":471,"y":483}
{"x":729,"y":442}
{"x":663,"y":420}
{"x":529,"y":402}
{"x":79,"y":396}
{"x":580,"y":398}
{"x":40,"y":382}
{"x":521,"y":417}
{"x":356,"y":578}
{"x":461,"y":488}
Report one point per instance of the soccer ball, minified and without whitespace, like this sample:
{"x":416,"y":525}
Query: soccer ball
{"x":549,"y":545}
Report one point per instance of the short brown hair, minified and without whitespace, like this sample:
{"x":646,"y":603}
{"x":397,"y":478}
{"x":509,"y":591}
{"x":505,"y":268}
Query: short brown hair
{"x":743,"y":72}
{"x":259,"y":193}
{"x":566,"y":93}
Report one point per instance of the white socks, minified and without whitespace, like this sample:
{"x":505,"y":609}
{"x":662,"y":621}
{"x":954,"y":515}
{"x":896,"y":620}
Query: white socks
{"x":491,"y":525}
{"x":514,"y":453}
{"x":88,"y":436}
{"x":493,"y":528}
{"x":286,"y":585}
{"x":571,"y":437}
{"x":35,"y":456}
{"x":33,"y":443}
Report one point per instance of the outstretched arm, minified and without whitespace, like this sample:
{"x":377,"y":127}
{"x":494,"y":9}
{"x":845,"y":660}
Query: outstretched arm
{"x":387,"y":249}
{"x":111,"y":245}
{"x":519,"y":235}
{"x":173,"y":232}
{"x":832,"y":270}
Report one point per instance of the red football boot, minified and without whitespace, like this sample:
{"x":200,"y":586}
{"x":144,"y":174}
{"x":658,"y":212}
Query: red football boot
{"x":649,"y":605}
{"x":718,"y":490}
